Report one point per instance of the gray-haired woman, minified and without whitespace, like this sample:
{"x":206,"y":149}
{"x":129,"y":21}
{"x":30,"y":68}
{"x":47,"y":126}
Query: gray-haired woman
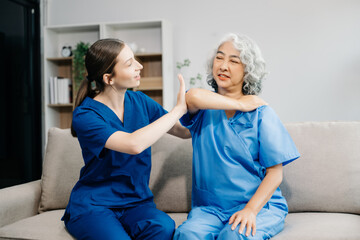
{"x":238,"y":156}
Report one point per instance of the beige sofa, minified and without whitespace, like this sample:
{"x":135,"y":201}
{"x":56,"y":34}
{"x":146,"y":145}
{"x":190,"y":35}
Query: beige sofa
{"x":322,"y":187}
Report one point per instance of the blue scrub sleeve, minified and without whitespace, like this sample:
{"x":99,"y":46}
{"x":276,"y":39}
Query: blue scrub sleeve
{"x":92,"y":130}
{"x":191,"y":121}
{"x":154,"y":109}
{"x":276,"y":145}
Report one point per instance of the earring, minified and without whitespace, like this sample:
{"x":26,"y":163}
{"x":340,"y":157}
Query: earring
{"x":93,"y":85}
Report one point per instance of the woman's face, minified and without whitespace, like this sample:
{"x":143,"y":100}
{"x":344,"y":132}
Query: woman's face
{"x":228,"y":70}
{"x":126,"y":70}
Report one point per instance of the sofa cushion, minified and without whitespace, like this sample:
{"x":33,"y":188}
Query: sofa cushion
{"x":43,"y":226}
{"x":170,"y":175}
{"x":325,"y":178}
{"x":170,"y":179}
{"x":179,"y":218}
{"x":327,"y":175}
{"x":49,"y":226}
{"x":61,"y":169}
{"x":310,"y":226}
{"x":320,"y":226}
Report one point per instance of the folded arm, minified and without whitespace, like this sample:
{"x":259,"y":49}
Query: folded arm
{"x":197,"y":98}
{"x":179,"y":131}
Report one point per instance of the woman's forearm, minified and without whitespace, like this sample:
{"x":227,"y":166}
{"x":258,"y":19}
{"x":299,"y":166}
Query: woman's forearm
{"x":138,"y":141}
{"x":269,"y":184}
{"x":197,"y":98}
{"x":180,"y":131}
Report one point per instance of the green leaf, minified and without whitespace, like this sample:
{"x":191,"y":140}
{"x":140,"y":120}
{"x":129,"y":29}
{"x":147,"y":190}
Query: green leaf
{"x":79,"y":63}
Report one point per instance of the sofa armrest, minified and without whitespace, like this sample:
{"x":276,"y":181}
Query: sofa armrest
{"x":18,"y":202}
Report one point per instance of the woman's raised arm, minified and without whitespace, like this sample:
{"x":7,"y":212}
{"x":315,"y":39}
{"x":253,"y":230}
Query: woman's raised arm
{"x":197,"y":98}
{"x":138,"y":141}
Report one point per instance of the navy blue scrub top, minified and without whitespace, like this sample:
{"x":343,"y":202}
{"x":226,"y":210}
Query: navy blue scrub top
{"x":230,"y":157}
{"x":109,"y":178}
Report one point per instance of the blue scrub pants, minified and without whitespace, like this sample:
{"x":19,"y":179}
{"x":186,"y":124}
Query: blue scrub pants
{"x":140,"y":222}
{"x":203,"y":225}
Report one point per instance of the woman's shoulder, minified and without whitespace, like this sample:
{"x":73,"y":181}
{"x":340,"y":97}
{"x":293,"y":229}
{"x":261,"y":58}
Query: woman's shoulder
{"x":88,"y":108}
{"x":268,"y":114}
{"x":265,"y":109}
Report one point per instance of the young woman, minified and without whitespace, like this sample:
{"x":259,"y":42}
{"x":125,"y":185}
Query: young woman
{"x":238,"y":156}
{"x":115,"y":128}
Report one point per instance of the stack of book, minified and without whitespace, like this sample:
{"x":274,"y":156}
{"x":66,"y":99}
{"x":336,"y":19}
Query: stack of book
{"x":60,"y":90}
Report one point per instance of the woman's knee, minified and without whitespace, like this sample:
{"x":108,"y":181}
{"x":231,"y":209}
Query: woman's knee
{"x":184,"y":232}
{"x":97,"y":226}
{"x":228,"y":233}
{"x":161,"y":227}
{"x":166,"y":225}
{"x":194,"y":232}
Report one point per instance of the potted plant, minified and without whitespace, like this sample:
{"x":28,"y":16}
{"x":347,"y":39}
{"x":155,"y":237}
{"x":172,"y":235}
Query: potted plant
{"x":193,"y":81}
{"x":79,"y":70}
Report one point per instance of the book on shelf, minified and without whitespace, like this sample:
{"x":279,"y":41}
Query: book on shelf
{"x":60,"y":90}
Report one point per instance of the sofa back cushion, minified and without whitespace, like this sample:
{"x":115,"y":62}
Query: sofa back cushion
{"x":170,"y":179}
{"x":170,"y":176}
{"x":327,"y":175}
{"x":325,"y":178}
{"x":61,"y":169}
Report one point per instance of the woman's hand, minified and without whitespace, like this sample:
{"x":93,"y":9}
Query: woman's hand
{"x":181,"y":103}
{"x":247,"y":218}
{"x":268,"y":186}
{"x":250,"y":102}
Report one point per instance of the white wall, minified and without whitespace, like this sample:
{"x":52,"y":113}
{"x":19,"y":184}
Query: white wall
{"x":312,"y":47}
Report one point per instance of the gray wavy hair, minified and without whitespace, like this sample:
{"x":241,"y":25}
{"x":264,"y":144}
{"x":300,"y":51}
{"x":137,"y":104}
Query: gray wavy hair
{"x":250,"y":56}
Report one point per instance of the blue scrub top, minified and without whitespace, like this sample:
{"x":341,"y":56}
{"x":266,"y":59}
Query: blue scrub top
{"x":111,"y":179}
{"x":230,"y":157}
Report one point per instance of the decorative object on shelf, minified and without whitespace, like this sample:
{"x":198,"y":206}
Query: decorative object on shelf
{"x":133,"y":46}
{"x":66,"y":51}
{"x":194,"y":81}
{"x":142,"y":50}
{"x":79,"y":63}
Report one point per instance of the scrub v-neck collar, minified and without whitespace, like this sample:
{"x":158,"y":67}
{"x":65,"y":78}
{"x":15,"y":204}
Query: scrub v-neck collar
{"x":109,"y":112}
{"x":236,"y":115}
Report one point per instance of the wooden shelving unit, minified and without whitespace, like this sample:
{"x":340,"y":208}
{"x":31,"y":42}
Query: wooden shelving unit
{"x":151,"y":82}
{"x":157,"y":76}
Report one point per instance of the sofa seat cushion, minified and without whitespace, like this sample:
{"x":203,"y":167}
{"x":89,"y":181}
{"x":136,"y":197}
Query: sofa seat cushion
{"x":49,"y":226}
{"x":320,"y":226}
{"x":42,"y":226}
{"x":309,"y":226}
{"x":179,"y":218}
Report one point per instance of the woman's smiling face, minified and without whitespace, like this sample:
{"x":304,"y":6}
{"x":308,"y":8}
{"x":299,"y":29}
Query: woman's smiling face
{"x":228,"y":70}
{"x":127,"y":69}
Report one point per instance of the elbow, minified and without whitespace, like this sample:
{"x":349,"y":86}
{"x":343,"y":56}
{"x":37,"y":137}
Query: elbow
{"x":134,"y":151}
{"x":135,"y":148}
{"x":185,"y":136}
{"x":275,"y":173}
